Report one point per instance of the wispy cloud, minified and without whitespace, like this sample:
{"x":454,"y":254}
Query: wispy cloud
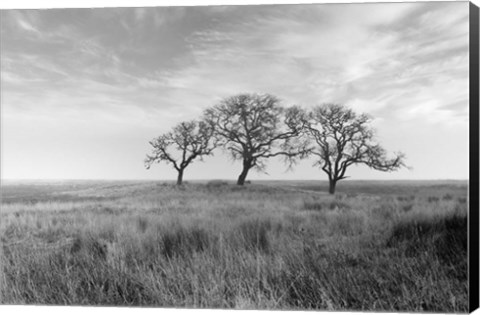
{"x":368,"y":56}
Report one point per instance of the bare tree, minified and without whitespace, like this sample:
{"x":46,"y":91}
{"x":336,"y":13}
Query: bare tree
{"x":190,"y":140}
{"x":255,"y":127}
{"x":344,"y":138}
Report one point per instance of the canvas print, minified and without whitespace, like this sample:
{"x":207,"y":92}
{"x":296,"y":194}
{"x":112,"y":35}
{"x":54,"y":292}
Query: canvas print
{"x":289,"y":157}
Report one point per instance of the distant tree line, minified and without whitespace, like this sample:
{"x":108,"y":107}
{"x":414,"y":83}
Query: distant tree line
{"x":255,"y":127}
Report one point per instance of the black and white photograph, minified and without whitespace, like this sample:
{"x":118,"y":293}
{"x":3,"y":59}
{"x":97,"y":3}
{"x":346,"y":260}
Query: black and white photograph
{"x":288,"y":157}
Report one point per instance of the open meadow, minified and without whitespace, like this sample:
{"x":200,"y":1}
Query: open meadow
{"x":376,"y":246}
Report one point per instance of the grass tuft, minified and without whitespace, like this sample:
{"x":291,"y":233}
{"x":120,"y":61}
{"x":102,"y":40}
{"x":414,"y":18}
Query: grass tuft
{"x":254,"y":234}
{"x":313,"y":205}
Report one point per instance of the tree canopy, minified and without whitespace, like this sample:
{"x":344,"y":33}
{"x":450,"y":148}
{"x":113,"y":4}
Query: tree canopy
{"x":255,"y":127}
{"x":179,"y":147}
{"x":343,"y":138}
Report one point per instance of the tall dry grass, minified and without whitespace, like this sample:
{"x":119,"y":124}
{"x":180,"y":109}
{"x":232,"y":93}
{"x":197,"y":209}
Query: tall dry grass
{"x":224,"y":246}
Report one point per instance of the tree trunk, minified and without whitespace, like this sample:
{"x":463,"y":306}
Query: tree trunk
{"x":331,"y":188}
{"x":243,"y":175}
{"x":180,"y":177}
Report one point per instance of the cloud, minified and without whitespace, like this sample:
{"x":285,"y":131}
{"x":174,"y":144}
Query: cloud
{"x":374,"y":56}
{"x":366,"y":54}
{"x":27,"y":26}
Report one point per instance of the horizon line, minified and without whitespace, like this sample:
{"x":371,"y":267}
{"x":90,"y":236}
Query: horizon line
{"x":223,"y":179}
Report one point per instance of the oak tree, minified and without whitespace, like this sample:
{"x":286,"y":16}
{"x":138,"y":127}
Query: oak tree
{"x":343,"y":138}
{"x":186,"y":142}
{"x":254,"y":128}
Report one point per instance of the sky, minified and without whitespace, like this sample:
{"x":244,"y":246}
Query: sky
{"x":83,"y":91}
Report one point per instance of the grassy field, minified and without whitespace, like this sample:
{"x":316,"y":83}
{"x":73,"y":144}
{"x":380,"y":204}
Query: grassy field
{"x":374,"y":246}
